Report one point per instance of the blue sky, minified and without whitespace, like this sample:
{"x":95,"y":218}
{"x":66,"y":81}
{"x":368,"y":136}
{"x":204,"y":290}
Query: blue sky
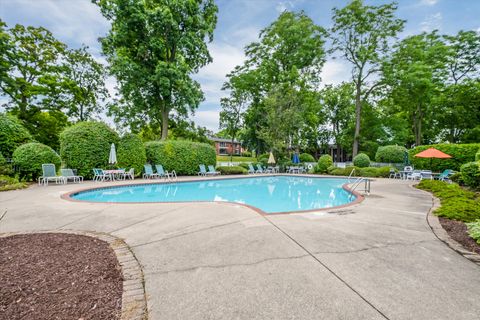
{"x":239,"y":22}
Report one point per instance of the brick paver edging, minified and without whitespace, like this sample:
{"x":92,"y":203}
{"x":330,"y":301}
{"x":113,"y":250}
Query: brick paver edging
{"x":443,"y":236}
{"x":134,"y":303}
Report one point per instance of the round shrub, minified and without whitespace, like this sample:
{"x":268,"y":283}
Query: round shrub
{"x":361,"y":160}
{"x":182,"y":156}
{"x":390,"y":154}
{"x":131,"y":153}
{"x":29,"y":158}
{"x":471,"y":174}
{"x":12,"y":134}
{"x":86,"y":145}
{"x":324,"y":162}
{"x":232,"y":170}
{"x":306,"y":157}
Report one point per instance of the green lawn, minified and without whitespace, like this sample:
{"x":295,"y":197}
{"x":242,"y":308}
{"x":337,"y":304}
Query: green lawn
{"x":236,"y":159}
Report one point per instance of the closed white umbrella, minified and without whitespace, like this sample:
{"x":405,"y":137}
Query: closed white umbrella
{"x":112,"y":158}
{"x":271,"y":159}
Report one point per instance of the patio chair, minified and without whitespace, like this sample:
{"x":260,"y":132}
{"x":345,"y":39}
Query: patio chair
{"x":49,"y":173}
{"x":426,"y":174}
{"x":445,"y":175}
{"x":161,"y":172}
{"x":212,"y":171}
{"x":259,"y":169}
{"x":251,"y":169}
{"x":203,"y":171}
{"x":415,"y":175}
{"x":129,"y":174}
{"x":148,"y":174}
{"x":100,"y":175}
{"x":69,"y":175}
{"x":394,"y":174}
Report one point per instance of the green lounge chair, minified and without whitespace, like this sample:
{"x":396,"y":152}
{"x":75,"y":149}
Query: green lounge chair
{"x":69,"y":175}
{"x":259,"y":169}
{"x":50,"y":174}
{"x":162,"y":173}
{"x":149,"y":172}
{"x":212,"y":171}
{"x":100,"y":175}
{"x":203,"y":172}
{"x":251,"y":169}
{"x":445,"y":175}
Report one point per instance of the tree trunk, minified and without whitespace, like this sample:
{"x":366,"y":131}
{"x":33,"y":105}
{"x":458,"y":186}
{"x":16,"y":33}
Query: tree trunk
{"x":231,"y":148}
{"x":418,"y":131}
{"x":358,"y":114}
{"x":164,"y":124}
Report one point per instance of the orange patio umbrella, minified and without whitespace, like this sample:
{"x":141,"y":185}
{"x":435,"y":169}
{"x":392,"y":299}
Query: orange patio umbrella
{"x":432,"y":153}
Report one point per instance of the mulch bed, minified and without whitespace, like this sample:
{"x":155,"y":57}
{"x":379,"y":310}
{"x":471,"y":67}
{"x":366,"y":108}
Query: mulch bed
{"x":58,"y":276}
{"x":457,"y":230}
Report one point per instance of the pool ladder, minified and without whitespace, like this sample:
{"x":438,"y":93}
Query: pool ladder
{"x":171,"y":176}
{"x":357,"y":183}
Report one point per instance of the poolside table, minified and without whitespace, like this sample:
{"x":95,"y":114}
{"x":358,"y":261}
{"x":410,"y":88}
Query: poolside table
{"x":115,"y":174}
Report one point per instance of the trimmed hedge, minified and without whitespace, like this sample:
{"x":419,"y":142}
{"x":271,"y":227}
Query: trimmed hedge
{"x":232,"y":170}
{"x":470,"y":173}
{"x":361,"y":160}
{"x":182,"y":156}
{"x":461,"y":153}
{"x":29,"y":158}
{"x":324,"y":162}
{"x":12,"y":134}
{"x":86,"y":145}
{"x":390,"y":154}
{"x":477,"y":156}
{"x":131,"y":153}
{"x":456,"y":203}
{"x":306,"y":157}
{"x":369,"y":172}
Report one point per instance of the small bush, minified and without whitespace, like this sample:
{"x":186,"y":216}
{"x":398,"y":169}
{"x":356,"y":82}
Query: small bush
{"x":9,"y":183}
{"x":29,"y":158}
{"x":361,"y":160}
{"x":381,"y":172}
{"x":12,"y":134}
{"x":477,"y":155}
{"x":344,"y":171}
{"x":246,"y":154}
{"x":306,"y":157}
{"x":86,"y":145}
{"x":232,"y":170}
{"x":182,"y":156}
{"x":390,"y":154}
{"x":324,"y":162}
{"x":474,"y":230}
{"x":5,"y":168}
{"x":244,"y":165}
{"x":461,"y":153}
{"x":131,"y":153}
{"x":456,"y":203}
{"x":471,"y":174}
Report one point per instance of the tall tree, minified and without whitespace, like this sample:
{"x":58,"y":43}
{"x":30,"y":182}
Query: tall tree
{"x":84,"y":85}
{"x":416,"y":73}
{"x":464,"y":58}
{"x":231,"y":115}
{"x":362,"y":34}
{"x":289,"y":57}
{"x":153,"y":48}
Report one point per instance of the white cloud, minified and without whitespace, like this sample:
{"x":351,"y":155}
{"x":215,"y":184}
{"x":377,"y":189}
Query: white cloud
{"x":335,"y":71}
{"x":207,"y":118}
{"x":428,"y":2}
{"x":432,"y":22}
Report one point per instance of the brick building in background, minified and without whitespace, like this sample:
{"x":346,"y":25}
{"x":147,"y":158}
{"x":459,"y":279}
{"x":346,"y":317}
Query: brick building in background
{"x":225,"y":146}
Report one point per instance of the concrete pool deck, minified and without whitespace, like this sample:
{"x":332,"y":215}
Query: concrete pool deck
{"x":376,"y":260}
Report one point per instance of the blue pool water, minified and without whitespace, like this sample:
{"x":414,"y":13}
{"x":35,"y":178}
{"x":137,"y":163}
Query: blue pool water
{"x":269,"y":194}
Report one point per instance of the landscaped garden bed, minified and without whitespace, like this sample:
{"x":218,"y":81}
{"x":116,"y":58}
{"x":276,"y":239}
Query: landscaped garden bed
{"x":59,"y":276}
{"x":459,"y":209}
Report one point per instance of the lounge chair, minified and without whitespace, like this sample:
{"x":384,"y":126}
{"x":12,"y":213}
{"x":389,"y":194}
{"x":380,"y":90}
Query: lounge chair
{"x":162,"y":173}
{"x":149,"y":172}
{"x":100,"y":175}
{"x":69,"y":175}
{"x":251,"y":169}
{"x":50,"y":174}
{"x":415,"y":175}
{"x":445,"y":175}
{"x":394,"y":174}
{"x":203,"y":171}
{"x":426,"y":174}
{"x":259,"y":169}
{"x":212,"y":171}
{"x":129,"y":174}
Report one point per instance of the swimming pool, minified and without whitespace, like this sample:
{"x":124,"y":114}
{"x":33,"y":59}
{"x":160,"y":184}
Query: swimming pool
{"x":272,"y":194}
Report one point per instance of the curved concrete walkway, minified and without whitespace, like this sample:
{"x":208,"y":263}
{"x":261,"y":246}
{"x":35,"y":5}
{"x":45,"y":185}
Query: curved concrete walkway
{"x":376,"y":260}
